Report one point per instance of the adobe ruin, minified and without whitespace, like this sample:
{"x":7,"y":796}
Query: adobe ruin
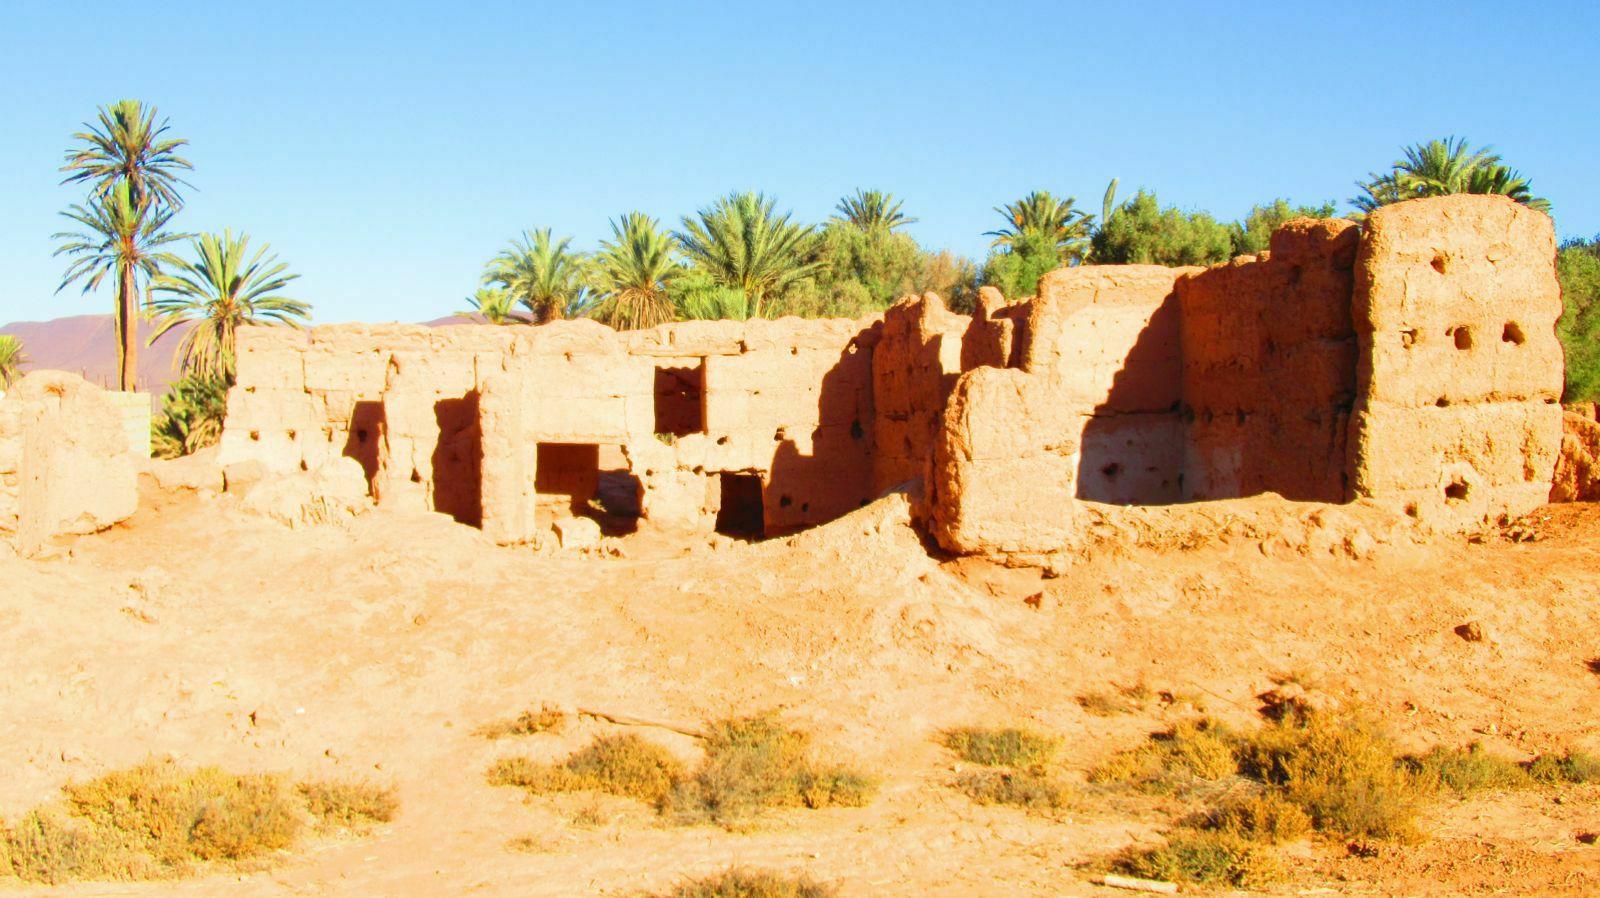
{"x":1411,"y":361}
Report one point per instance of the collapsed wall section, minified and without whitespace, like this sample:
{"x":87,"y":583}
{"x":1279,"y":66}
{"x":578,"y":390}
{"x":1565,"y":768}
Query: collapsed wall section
{"x":1268,"y":367}
{"x":1457,"y":417}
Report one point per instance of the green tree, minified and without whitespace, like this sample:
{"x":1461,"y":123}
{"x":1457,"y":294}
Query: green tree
{"x":1141,"y":232}
{"x":1441,"y":168}
{"x":11,"y":360}
{"x":633,"y":272}
{"x":191,"y":416}
{"x":1038,"y":219}
{"x":1578,"y":268}
{"x":1015,"y":270}
{"x":122,"y":237}
{"x":742,"y":243}
{"x":225,"y":288}
{"x":871,"y":210}
{"x":954,"y":278}
{"x":494,"y":305}
{"x":127,"y":146}
{"x":1254,"y":234}
{"x":856,"y":271}
{"x":131,"y":170}
{"x":697,"y":297}
{"x":542,"y":274}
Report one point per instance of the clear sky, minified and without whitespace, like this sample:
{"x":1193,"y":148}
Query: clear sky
{"x":386,"y":150}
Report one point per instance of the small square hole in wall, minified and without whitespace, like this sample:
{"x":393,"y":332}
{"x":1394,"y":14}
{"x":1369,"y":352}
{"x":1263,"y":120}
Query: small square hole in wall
{"x":680,"y":400}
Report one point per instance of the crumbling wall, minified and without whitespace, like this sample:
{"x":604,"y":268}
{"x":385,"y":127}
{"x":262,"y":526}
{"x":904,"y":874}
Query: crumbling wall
{"x":914,"y":368}
{"x":66,"y":464}
{"x":1269,"y":357}
{"x":1460,"y":373}
{"x":1093,"y":414}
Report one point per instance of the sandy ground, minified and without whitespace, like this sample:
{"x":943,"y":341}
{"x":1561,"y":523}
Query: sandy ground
{"x":374,"y":650}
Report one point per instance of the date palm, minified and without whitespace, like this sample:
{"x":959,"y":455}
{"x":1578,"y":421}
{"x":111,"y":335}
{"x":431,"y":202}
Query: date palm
{"x":632,"y":273}
{"x":494,"y":305}
{"x":1040,"y":218}
{"x":541,"y":273}
{"x":872,"y":210}
{"x":128,"y":146}
{"x":123,"y":237}
{"x":1444,"y":167}
{"x":11,"y":360}
{"x":742,"y":243}
{"x":225,"y":288}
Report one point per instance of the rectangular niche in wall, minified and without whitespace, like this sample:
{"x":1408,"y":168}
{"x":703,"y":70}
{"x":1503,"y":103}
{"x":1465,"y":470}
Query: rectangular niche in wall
{"x":741,"y":513}
{"x":567,"y":475}
{"x":680,"y":400}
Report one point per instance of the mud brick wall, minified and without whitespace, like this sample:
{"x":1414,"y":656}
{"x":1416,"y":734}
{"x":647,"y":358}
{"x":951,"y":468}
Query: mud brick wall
{"x":1460,"y":373}
{"x":1269,"y":357}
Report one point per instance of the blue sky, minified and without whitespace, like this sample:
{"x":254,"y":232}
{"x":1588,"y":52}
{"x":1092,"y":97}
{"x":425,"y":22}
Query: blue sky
{"x":387,"y":150}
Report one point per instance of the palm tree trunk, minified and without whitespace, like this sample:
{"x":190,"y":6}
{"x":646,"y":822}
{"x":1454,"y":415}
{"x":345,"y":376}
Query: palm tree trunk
{"x":127,"y":329}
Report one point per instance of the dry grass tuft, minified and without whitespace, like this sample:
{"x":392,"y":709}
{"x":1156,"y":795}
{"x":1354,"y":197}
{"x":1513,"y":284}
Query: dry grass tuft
{"x":751,"y":764}
{"x":1007,"y":747}
{"x":1117,"y":700}
{"x":1573,"y":767}
{"x":349,"y":805}
{"x":756,"y":762}
{"x":620,"y":765}
{"x":738,"y":883}
{"x":548,"y":719}
{"x":1263,"y":817}
{"x":1205,"y":858}
{"x":1018,"y":788}
{"x":1189,"y":755}
{"x":159,"y":820}
{"x":1465,"y":770}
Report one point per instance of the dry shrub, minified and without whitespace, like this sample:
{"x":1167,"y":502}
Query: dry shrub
{"x":1465,"y":770}
{"x":1342,"y":771}
{"x":623,"y":765}
{"x":1188,"y":755}
{"x":548,"y":719}
{"x":1204,"y":858}
{"x":155,"y":820}
{"x":1018,"y":788}
{"x":1007,"y":747}
{"x":349,"y":805}
{"x":1263,"y":817}
{"x":1573,"y":767}
{"x":738,"y":883}
{"x":756,"y":762}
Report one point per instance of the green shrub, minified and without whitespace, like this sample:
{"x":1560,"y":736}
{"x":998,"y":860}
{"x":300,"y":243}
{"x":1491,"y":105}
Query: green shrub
{"x":751,"y":884}
{"x":1204,"y":858}
{"x":1188,"y":755}
{"x":1572,"y":767}
{"x":1465,"y":770}
{"x":1018,"y":788}
{"x":1007,"y":747}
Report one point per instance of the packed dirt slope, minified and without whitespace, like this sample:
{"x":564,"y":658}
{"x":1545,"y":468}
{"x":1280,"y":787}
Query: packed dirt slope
{"x":375,"y":650}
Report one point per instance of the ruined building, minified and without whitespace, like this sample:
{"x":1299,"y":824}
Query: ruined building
{"x":1411,"y":361}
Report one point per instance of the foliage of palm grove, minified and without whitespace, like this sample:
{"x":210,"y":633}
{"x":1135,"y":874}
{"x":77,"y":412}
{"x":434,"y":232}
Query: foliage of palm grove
{"x":125,"y":240}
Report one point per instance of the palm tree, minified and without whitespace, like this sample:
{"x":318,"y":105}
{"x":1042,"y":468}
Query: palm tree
{"x":871,"y":210}
{"x":1040,"y":217}
{"x":127,"y":146}
{"x":741,"y":243}
{"x":1444,"y":167}
{"x":191,"y":416}
{"x":125,"y":236}
{"x":11,"y":360}
{"x":632,"y":272}
{"x":226,"y":287}
{"x":541,"y":273}
{"x":494,"y":304}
